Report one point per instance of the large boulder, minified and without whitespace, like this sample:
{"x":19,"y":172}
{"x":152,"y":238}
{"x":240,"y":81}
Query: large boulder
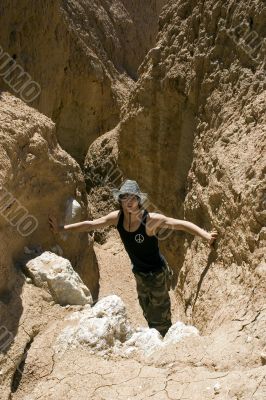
{"x":63,"y":282}
{"x":101,"y":328}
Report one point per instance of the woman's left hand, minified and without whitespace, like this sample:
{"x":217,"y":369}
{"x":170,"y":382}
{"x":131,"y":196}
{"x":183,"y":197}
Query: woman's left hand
{"x":212,"y":237}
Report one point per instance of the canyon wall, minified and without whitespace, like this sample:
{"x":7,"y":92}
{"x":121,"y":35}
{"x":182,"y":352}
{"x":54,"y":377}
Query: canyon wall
{"x":83,"y":57}
{"x":196,"y":122}
{"x":38,"y":178}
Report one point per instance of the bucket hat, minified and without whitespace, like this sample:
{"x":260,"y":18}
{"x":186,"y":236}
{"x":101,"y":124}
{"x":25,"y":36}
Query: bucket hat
{"x":130,"y":187}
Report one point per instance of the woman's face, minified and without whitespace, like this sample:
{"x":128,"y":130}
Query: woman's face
{"x":129,"y":202}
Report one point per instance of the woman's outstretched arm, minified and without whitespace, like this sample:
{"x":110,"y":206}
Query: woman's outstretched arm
{"x":84,"y":226}
{"x":161,"y":221}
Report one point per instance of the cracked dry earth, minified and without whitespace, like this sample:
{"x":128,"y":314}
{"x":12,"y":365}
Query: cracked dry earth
{"x":223,"y":365}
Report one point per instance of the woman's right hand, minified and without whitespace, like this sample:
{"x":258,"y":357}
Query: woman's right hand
{"x":54,"y":226}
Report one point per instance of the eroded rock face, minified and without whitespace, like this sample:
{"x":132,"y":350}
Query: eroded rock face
{"x":115,"y":30}
{"x":82,"y":54}
{"x":56,"y":273}
{"x":37,"y":179}
{"x":196,"y":122}
{"x":101,"y":175}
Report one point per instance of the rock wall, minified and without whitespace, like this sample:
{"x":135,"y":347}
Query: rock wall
{"x":196,"y":122}
{"x":37,"y":178}
{"x":115,"y":30}
{"x":82,"y":55}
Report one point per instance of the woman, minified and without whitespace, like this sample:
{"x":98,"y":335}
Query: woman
{"x":139,"y":231}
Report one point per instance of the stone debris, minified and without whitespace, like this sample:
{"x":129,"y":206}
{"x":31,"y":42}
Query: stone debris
{"x":178,"y":331}
{"x":105,"y":329}
{"x":217,"y":387}
{"x":100,"y":327}
{"x":57,"y":274}
{"x":144,"y":340}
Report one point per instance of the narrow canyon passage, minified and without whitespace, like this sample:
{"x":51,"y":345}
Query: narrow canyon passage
{"x":117,"y":278}
{"x":168,"y":93}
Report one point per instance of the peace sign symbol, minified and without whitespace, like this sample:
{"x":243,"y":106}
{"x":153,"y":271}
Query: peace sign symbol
{"x":139,"y":238}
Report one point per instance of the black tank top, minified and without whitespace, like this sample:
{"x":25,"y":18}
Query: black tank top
{"x":143,"y":250}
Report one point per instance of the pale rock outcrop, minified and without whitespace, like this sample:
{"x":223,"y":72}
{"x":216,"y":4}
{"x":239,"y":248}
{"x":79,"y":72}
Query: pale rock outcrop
{"x":73,"y":211}
{"x":105,"y":329}
{"x":100,"y":328}
{"x":146,"y":341}
{"x":178,"y":331}
{"x":56,"y":273}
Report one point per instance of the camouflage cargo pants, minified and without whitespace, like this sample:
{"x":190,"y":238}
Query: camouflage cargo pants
{"x":154,"y":299}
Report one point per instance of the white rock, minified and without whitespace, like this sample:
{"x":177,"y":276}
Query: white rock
{"x":109,"y":306}
{"x":65,"y":285}
{"x":145,"y":340}
{"x":73,"y":211}
{"x":217,"y":387}
{"x":178,"y":331}
{"x":105,"y":328}
{"x":101,"y":327}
